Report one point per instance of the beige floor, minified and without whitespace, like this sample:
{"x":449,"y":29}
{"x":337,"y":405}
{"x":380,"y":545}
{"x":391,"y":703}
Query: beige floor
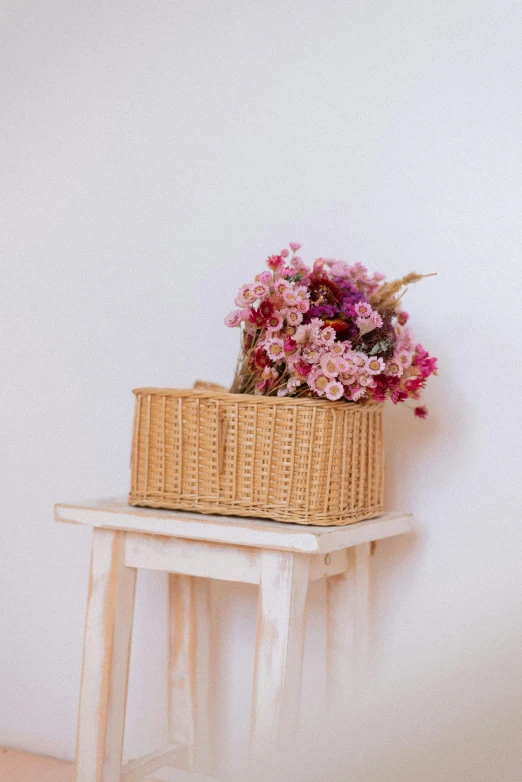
{"x":16,"y":766}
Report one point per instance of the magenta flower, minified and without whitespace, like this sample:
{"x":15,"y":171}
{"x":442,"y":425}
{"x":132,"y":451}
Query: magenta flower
{"x":421,"y":411}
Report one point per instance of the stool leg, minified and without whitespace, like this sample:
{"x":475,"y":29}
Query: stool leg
{"x":189,"y":675}
{"x":281,"y":621}
{"x":108,"y":630}
{"x":347,"y":631}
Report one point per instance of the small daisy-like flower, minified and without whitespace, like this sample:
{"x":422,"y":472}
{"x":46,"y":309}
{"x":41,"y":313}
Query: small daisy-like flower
{"x":290,"y":330}
{"x":348,"y":380}
{"x":339,"y":348}
{"x":302,"y":292}
{"x":394,"y":368}
{"x":404,"y":357}
{"x":357,"y":358}
{"x":275,"y":321}
{"x":421,"y":411}
{"x":374,"y":365}
{"x":365,"y":325}
{"x":275,"y":349}
{"x":357,"y":392}
{"x":284,"y":253}
{"x":290,"y":297}
{"x":234,"y":318}
{"x":293,"y":317}
{"x":365,"y":379}
{"x":334,"y":390}
{"x":343,"y":366}
{"x":259,"y":289}
{"x":329,"y":365}
{"x":282,"y":286}
{"x":318,"y":382}
{"x":312,"y":355}
{"x":363,"y":309}
{"x":327,"y":336}
{"x":303,"y":305}
{"x":245,"y":296}
{"x":294,"y":246}
{"x":265,"y":276}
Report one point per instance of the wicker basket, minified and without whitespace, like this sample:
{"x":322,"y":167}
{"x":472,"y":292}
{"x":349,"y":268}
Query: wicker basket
{"x":308,"y":461}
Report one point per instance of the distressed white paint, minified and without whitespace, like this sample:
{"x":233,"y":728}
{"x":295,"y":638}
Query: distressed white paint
{"x":189,"y":667}
{"x":259,"y":533}
{"x":108,"y":630}
{"x":193,"y":557}
{"x":281,"y":624}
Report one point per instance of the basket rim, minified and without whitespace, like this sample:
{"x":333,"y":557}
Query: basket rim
{"x":256,"y":399}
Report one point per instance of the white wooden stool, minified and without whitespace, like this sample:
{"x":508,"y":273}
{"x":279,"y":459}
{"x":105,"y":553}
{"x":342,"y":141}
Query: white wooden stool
{"x":193,"y":548}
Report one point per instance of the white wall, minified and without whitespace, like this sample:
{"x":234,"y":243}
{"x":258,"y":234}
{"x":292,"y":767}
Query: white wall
{"x":152,"y":155}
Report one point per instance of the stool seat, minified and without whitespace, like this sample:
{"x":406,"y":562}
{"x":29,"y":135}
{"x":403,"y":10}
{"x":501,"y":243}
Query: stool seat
{"x":193,"y":549}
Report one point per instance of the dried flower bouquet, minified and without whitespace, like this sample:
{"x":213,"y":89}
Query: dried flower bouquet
{"x":331,"y":331}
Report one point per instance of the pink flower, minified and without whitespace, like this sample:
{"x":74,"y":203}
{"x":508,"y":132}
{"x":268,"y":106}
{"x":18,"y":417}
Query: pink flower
{"x":343,"y":366}
{"x":402,"y":317}
{"x":302,"y":368}
{"x":264,"y":277}
{"x":376,"y":319}
{"x":302,"y":291}
{"x":394,"y":368}
{"x":340,"y":269}
{"x":421,"y":411}
{"x":326,"y":336}
{"x":329,"y":365}
{"x":290,"y":297}
{"x":293,"y":317}
{"x":245,"y":296}
{"x":259,"y":289}
{"x":404,"y":358}
{"x":297,"y":263}
{"x":356,"y":393}
{"x":334,"y":390}
{"x":284,"y":253}
{"x":275,"y":348}
{"x":318,"y":382}
{"x":356,"y":358}
{"x":282,"y":286}
{"x":303,"y":305}
{"x":318,"y":266}
{"x":234,"y":318}
{"x":363,"y":309}
{"x":274,"y":262}
{"x":312,"y":354}
{"x":365,"y":379}
{"x":374,"y":365}
{"x":290,"y":345}
{"x":294,"y":246}
{"x":275,"y":321}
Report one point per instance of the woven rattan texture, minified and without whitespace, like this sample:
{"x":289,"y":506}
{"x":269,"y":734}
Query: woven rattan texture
{"x":299,"y":460}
